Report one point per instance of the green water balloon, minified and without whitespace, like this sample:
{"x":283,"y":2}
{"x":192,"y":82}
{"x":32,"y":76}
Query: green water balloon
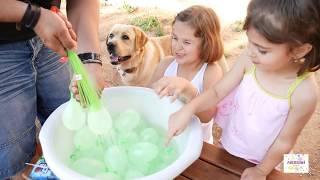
{"x":84,"y":138}
{"x":166,"y":156}
{"x":140,"y":166}
{"x":127,"y":139}
{"x":133,"y":174}
{"x":143,"y":152}
{"x":169,"y":154}
{"x":99,"y":121}
{"x":94,"y":152}
{"x":127,"y":150}
{"x":116,"y":159}
{"x":73,"y":116}
{"x":150,"y":135}
{"x":156,"y":165}
{"x":128,"y":120}
{"x":88,"y":167}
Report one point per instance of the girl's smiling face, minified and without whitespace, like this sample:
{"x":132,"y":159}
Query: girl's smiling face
{"x":185,"y":46}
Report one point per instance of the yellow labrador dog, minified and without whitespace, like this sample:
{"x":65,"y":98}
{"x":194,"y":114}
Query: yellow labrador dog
{"x":134,"y":54}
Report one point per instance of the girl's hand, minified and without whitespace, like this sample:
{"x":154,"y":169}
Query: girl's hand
{"x":253,"y":173}
{"x":55,"y":31}
{"x":178,"y":121}
{"x":176,"y":87}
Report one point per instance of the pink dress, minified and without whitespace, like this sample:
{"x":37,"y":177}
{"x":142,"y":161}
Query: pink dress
{"x":251,"y":118}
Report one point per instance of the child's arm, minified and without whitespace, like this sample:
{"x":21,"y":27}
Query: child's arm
{"x":162,"y":84}
{"x":213,"y":74}
{"x":180,"y":119}
{"x":176,"y":87}
{"x":161,"y":68}
{"x":303,"y":104}
{"x":184,"y":90}
{"x":180,"y":88}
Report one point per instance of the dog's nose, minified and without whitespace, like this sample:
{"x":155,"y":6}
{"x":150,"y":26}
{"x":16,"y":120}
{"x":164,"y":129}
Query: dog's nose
{"x":110,"y":47}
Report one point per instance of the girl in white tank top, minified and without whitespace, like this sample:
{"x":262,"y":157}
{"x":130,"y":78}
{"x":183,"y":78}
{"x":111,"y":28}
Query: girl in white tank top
{"x":192,"y":69}
{"x":197,"y":82}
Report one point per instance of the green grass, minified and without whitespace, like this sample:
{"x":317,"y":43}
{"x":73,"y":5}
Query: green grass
{"x":148,"y":24}
{"x":128,"y":8}
{"x":237,"y":26}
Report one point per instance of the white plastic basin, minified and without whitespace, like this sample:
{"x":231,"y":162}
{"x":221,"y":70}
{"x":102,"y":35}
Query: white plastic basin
{"x":57,"y":144}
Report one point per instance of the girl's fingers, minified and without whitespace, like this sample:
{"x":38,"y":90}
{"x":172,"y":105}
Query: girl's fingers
{"x":164,"y":92}
{"x":178,"y":132}
{"x":170,"y":134}
{"x":158,"y":87}
{"x":176,"y":94}
{"x":174,"y":97}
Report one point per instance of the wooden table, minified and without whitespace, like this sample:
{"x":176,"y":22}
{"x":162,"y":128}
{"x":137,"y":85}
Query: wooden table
{"x":217,"y":164}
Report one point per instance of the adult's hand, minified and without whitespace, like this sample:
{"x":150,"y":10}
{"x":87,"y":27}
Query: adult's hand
{"x":55,"y":31}
{"x":96,"y":75}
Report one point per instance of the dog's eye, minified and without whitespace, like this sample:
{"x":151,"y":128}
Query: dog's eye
{"x":125,"y":37}
{"x":111,"y":35}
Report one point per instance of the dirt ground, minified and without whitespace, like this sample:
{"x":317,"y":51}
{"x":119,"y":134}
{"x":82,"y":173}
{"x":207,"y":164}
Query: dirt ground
{"x":309,"y":140}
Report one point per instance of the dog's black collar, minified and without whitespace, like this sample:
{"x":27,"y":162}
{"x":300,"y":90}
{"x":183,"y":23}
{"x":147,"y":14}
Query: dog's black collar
{"x":124,"y":58}
{"x":119,"y":59}
{"x":130,"y":70}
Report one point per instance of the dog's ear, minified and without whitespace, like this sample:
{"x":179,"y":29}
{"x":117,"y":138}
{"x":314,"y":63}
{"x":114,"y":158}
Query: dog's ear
{"x":141,"y":37}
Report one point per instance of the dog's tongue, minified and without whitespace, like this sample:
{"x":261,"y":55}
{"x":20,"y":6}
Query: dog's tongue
{"x":114,"y":58}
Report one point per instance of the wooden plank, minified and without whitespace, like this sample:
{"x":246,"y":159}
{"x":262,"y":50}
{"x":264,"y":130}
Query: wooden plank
{"x":205,"y":171}
{"x":221,"y":158}
{"x":277,"y":175}
{"x":181,"y":177}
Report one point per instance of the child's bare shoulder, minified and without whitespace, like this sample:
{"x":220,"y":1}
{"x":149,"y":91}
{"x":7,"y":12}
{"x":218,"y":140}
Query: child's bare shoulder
{"x":307,"y":93}
{"x":213,"y":69}
{"x":213,"y":74}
